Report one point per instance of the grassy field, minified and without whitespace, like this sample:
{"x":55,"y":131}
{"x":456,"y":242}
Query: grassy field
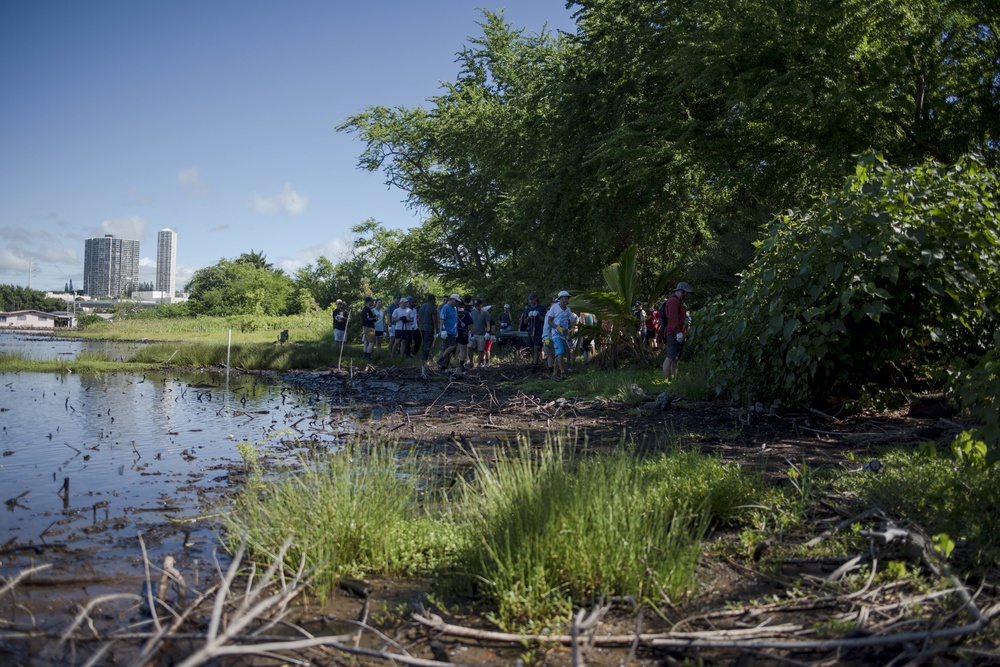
{"x":310,"y":327}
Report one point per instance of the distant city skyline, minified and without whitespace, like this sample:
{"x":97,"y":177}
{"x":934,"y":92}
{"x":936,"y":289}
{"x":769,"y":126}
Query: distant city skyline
{"x":215,"y":119}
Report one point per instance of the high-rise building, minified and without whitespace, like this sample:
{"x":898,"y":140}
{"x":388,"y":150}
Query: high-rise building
{"x":110,"y":266}
{"x":166,"y":262}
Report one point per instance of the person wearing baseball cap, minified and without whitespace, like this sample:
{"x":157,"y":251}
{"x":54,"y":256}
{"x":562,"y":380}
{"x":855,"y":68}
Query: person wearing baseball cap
{"x":560,"y":319}
{"x":674,"y":321}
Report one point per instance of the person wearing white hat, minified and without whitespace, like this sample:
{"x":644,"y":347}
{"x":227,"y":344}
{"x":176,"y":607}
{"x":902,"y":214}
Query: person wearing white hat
{"x":674,"y":323}
{"x":339,"y":322}
{"x":560,"y":318}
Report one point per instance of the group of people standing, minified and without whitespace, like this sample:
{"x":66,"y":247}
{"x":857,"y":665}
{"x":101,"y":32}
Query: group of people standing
{"x":467,"y":329}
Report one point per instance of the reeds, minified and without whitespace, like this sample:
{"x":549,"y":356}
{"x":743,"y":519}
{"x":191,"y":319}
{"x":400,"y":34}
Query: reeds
{"x":547,"y":528}
{"x":349,"y":512}
{"x":532,"y":530}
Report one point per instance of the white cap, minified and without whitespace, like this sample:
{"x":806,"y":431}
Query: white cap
{"x":506,"y":305}
{"x":455,"y":297}
{"x":564,"y":293}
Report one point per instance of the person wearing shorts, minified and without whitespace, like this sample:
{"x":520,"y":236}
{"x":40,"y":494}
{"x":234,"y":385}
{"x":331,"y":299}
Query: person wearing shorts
{"x":675,"y":328}
{"x":482,"y":329}
{"x":402,"y":318}
{"x":339,"y":322}
{"x":560,"y":319}
{"x":393,"y":343}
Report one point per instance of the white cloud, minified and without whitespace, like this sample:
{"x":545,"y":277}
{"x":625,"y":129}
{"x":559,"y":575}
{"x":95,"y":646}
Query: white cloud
{"x":189,"y":178}
{"x":58,"y":255}
{"x":132,"y":227}
{"x":288,"y":201}
{"x":335,"y":251}
{"x":138,"y":197}
{"x":147,"y":263}
{"x":184,"y":274}
{"x":12,"y":259}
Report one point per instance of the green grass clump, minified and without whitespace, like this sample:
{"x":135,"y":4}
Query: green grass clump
{"x":250,"y":356}
{"x":88,"y":362}
{"x":351,"y":512}
{"x":939,"y":493}
{"x":538,"y":532}
{"x":545,"y":530}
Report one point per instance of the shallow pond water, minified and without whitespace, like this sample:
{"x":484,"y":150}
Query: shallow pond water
{"x":87,"y":460}
{"x":43,"y":346}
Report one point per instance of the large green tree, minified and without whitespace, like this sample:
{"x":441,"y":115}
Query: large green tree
{"x":681,"y":127}
{"x":236,"y":287}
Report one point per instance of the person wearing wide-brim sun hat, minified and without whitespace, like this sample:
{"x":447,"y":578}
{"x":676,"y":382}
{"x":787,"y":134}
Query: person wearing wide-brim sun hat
{"x":674,"y":323}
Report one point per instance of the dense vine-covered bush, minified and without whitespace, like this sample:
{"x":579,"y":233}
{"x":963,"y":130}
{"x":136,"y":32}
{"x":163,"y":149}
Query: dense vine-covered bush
{"x":978,"y":389}
{"x":880,"y":285}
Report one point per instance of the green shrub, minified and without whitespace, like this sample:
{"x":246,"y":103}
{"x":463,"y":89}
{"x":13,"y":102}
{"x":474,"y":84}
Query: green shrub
{"x":977,"y":389}
{"x":90,"y":321}
{"x":884,"y":283}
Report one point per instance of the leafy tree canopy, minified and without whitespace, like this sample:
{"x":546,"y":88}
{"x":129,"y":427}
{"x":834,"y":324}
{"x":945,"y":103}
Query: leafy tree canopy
{"x":235,"y":287}
{"x":15,"y":297}
{"x":674,"y":126}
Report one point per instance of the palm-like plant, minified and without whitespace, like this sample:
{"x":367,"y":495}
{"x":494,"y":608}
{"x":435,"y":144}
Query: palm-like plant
{"x":613,"y":306}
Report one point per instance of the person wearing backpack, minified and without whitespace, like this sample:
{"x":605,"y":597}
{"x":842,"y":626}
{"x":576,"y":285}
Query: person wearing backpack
{"x":674,"y":325}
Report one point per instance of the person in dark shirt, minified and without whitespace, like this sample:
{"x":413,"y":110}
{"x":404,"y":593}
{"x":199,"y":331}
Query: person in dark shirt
{"x":532,"y":321}
{"x":339,"y":322}
{"x":427,"y":319}
{"x":464,"y":330}
{"x":368,"y":318}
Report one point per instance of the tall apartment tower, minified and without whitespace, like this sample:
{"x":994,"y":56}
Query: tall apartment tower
{"x":166,"y":262}
{"x":110,"y":266}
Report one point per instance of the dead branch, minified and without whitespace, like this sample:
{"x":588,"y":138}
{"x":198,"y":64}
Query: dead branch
{"x":23,"y":574}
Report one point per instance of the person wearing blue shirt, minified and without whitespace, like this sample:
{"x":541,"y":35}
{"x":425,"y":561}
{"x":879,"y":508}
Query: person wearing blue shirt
{"x":449,"y":330}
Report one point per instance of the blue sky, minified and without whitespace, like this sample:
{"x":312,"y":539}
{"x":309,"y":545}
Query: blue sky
{"x":213,"y":118}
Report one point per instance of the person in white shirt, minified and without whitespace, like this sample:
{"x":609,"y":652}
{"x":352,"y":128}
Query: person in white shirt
{"x":560,"y":318}
{"x":402,"y":319}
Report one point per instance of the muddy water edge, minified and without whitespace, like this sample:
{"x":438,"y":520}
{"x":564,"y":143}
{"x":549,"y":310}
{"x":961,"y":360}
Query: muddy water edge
{"x":92,"y":465}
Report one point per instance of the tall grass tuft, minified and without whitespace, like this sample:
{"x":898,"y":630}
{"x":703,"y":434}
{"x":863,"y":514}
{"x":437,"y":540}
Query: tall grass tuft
{"x":545,"y":529}
{"x":351,"y":512}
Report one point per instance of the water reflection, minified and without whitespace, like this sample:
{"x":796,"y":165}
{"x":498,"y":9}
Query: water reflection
{"x":46,"y":346}
{"x":130,"y":444}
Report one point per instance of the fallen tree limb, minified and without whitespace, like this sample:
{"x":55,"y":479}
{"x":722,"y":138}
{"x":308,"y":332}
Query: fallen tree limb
{"x":437,"y":624}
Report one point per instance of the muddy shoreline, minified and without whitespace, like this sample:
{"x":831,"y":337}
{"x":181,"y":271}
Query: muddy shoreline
{"x":451,"y":418}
